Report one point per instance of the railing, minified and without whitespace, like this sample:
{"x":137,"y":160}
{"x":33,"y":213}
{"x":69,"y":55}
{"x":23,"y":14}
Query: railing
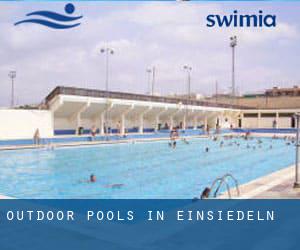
{"x":220,"y":182}
{"x":130,"y":96}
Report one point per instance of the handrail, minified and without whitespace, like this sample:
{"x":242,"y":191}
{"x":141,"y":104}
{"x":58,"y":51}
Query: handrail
{"x":221,"y":180}
{"x":235,"y":182}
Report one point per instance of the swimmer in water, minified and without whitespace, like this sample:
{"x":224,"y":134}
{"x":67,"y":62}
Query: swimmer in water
{"x":185,"y":141}
{"x":117,"y":185}
{"x":205,"y":193}
{"x":92,"y":178}
{"x":207,"y":149}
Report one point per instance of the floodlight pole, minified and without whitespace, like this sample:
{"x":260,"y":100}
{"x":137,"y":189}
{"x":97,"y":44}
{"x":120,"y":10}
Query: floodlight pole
{"x":12,"y":75}
{"x":297,"y":182}
{"x":153,"y":79}
{"x":217,"y":90}
{"x":188,"y":69}
{"x":149,"y":72}
{"x":233,"y":44}
{"x":107,"y":51}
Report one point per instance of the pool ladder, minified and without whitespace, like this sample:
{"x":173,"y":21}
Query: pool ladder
{"x":223,"y":180}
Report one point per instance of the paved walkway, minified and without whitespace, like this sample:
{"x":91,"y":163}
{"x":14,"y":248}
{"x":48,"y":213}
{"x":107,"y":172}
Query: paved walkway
{"x":278,"y":185}
{"x":96,"y":142}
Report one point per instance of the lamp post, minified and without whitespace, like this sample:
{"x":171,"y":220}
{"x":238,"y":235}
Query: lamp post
{"x":153,"y":72}
{"x":12,"y":75}
{"x":153,"y":79}
{"x":233,"y":44}
{"x":297,"y":182}
{"x":188,"y":69}
{"x":149,"y":72}
{"x":107,"y":51}
{"x":217,"y":91}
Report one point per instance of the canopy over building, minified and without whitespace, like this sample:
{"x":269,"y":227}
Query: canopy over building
{"x":75,"y":108}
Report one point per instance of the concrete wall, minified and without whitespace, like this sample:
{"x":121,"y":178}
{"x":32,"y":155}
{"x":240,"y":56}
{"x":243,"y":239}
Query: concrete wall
{"x":266,"y":122}
{"x":64,"y":123}
{"x":284,"y":122}
{"x":250,"y":122}
{"x":280,"y":102}
{"x":22,"y":124}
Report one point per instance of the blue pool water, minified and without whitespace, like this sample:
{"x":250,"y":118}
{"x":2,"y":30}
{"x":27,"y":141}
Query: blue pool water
{"x":147,"y":170}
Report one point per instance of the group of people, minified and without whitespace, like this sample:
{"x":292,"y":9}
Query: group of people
{"x":174,"y":135}
{"x":106,"y":130}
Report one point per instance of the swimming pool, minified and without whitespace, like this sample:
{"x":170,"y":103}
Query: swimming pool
{"x":147,"y":170}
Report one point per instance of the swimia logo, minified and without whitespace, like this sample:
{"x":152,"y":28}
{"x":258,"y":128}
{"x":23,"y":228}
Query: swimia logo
{"x":52,"y":19}
{"x":240,"y":20}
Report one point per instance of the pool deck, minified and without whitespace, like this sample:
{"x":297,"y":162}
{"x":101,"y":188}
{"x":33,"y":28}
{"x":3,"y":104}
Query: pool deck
{"x":130,"y":140}
{"x":277,"y":185}
{"x":98,"y":142}
{"x":5,"y":197}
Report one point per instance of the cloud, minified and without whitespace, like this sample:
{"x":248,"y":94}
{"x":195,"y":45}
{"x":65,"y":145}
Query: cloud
{"x":165,"y":35}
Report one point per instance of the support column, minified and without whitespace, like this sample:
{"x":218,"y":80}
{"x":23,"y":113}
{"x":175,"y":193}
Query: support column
{"x":78,"y":122}
{"x":101,"y":128}
{"x":156,"y":122}
{"x":242,"y":119}
{"x":184,"y":122}
{"x":171,"y":122}
{"x":157,"y":118}
{"x":205,"y":123}
{"x":77,"y":116}
{"x":123,"y":119}
{"x":195,"y":123}
{"x":141,"y":124}
{"x":141,"y":119}
{"x":277,"y":120}
{"x":258,"y":119}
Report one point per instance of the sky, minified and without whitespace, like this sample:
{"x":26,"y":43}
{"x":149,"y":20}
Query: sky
{"x":144,"y":34}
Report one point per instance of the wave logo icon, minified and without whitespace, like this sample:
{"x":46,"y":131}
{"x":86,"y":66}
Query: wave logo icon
{"x":53,"y":20}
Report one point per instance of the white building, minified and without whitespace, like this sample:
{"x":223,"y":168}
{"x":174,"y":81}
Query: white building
{"x":70,"y":109}
{"x":74,"y":108}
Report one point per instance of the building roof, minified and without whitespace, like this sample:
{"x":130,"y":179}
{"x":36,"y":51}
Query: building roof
{"x":60,"y":90}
